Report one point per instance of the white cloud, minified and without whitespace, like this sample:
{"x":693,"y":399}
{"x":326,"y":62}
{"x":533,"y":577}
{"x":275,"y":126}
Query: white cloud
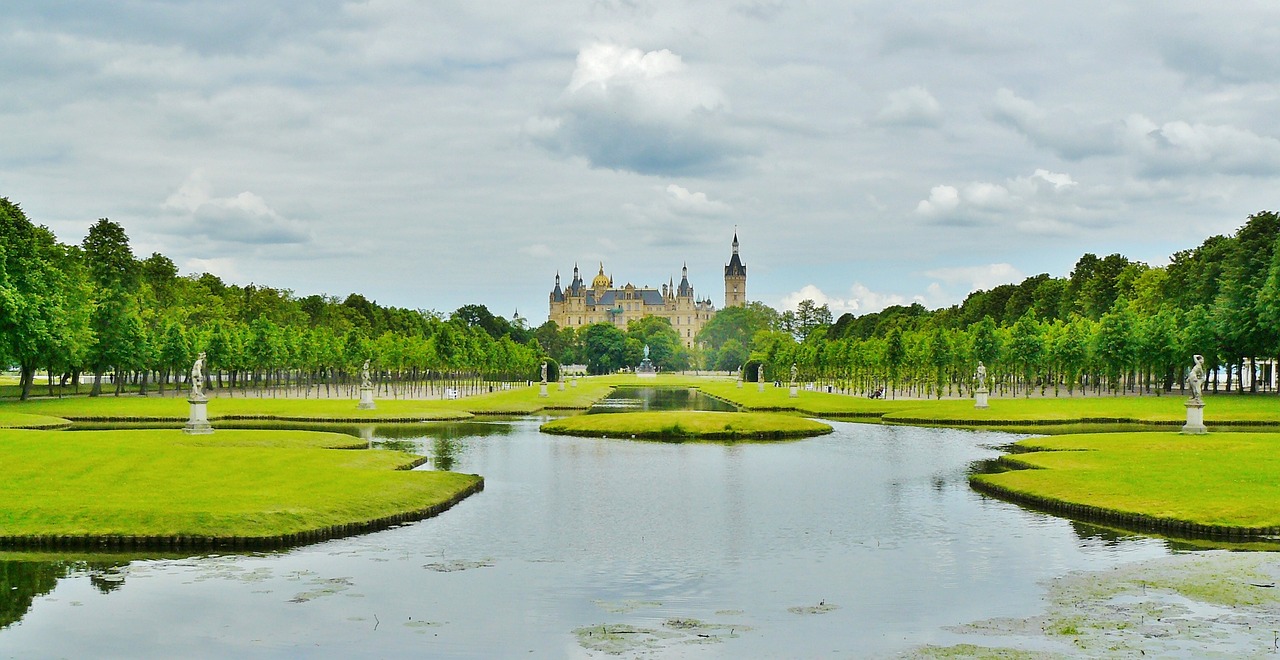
{"x":860,"y":299}
{"x":680,"y":200}
{"x":942,"y":200}
{"x":627,"y":109}
{"x":1042,"y":197}
{"x":913,"y":106}
{"x":977,"y":277}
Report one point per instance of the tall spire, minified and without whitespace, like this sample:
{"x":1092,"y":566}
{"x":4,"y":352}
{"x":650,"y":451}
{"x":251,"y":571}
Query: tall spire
{"x":735,"y":240}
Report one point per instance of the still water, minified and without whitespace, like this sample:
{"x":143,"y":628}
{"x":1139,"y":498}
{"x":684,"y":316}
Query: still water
{"x":867,"y":541}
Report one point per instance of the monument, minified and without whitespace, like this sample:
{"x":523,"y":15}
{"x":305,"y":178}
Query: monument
{"x":366,"y":389}
{"x":646,"y":368}
{"x":1195,"y":405}
{"x":742,"y":375}
{"x":198,"y":422}
{"x":542,"y":387}
{"x":795,"y":391}
{"x":980,"y":394}
{"x":760,"y":377}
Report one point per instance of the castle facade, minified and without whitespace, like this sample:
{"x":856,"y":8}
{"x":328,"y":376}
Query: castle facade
{"x":578,"y":305}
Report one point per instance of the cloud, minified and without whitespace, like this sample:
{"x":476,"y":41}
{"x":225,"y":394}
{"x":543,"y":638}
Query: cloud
{"x":977,"y":277}
{"x":683,"y":202}
{"x":1173,"y":148}
{"x":859,"y":300}
{"x":1062,"y":131}
{"x":645,"y":112}
{"x":1039,"y":196}
{"x":1178,"y":147}
{"x":538,"y":251}
{"x":913,"y":106}
{"x":243,"y":218}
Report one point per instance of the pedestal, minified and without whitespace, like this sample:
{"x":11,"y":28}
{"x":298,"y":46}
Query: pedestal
{"x":795,"y":392}
{"x":542,"y":389}
{"x":980,"y":398}
{"x":560,"y":386}
{"x":760,"y":386}
{"x":1195,"y":419}
{"x":366,"y":399}
{"x":739,"y":384}
{"x":574,"y":383}
{"x":198,"y":423}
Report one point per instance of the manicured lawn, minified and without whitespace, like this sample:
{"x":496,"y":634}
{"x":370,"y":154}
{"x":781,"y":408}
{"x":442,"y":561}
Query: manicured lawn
{"x":1225,"y":479}
{"x":1106,"y":409}
{"x":17,"y":420}
{"x":688,"y":425}
{"x":819,"y":404}
{"x":177,"y":409}
{"x":230,"y":483}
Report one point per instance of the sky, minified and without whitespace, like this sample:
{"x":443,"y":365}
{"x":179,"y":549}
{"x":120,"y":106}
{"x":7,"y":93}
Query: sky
{"x":436,"y":154}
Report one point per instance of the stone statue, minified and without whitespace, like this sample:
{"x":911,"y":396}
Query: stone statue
{"x":544,"y":373}
{"x":794,"y":373}
{"x":646,"y":351}
{"x":197,"y":377}
{"x":982,"y":375}
{"x":1196,"y":378}
{"x":365,"y":380}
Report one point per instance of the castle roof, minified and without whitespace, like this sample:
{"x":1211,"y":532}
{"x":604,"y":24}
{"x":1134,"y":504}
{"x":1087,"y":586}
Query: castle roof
{"x":735,"y":267}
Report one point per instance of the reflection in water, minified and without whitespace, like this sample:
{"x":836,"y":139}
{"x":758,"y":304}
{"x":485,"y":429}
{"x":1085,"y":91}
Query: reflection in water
{"x":635,"y":399}
{"x":21,"y":582}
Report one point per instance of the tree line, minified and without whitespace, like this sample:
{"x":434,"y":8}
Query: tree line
{"x":1111,"y":325}
{"x":94,"y":308}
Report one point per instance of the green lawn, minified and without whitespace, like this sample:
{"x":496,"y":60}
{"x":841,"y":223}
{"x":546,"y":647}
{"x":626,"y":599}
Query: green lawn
{"x":17,"y":420}
{"x":1227,"y":480}
{"x":232,"y":483}
{"x":688,"y":425}
{"x":1220,"y":409}
{"x":518,"y":401}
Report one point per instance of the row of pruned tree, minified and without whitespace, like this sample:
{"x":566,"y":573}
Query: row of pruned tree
{"x":95,"y":308}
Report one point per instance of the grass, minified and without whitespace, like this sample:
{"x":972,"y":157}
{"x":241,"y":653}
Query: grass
{"x":1164,"y":480}
{"x":17,"y":420}
{"x":688,"y":425}
{"x":230,"y":484}
{"x":518,"y":401}
{"x":1167,"y":410}
{"x":819,"y":404}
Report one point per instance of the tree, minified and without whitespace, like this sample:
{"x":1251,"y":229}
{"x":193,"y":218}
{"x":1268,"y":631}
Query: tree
{"x":606,"y":348}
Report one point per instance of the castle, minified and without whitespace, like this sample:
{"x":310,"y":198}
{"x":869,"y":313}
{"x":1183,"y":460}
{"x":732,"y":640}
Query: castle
{"x":578,"y":305}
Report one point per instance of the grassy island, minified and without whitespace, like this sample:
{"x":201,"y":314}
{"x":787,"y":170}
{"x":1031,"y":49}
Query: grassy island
{"x":1219,"y":484}
{"x":164,"y":489}
{"x":688,"y":425}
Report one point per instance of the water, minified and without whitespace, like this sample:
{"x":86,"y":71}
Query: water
{"x":636,"y":399}
{"x":865,"y":541}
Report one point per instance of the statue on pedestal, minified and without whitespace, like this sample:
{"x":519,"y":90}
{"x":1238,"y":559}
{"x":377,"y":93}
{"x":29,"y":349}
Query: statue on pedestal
{"x":197,"y":377}
{"x":1195,"y":379}
{"x":365,"y":380}
{"x":794,"y":373}
{"x":544,"y":373}
{"x":982,"y":375}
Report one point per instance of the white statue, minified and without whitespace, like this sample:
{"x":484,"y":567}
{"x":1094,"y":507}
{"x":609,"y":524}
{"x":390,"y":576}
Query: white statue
{"x":646,"y":351}
{"x":1196,"y":378}
{"x":794,"y":372}
{"x":982,"y":375}
{"x":197,"y":377}
{"x":365,"y":381}
{"x":544,"y":373}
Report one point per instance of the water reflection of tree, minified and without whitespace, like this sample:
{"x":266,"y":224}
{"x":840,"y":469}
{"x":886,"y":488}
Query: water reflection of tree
{"x":445,"y":453}
{"x":21,"y":582}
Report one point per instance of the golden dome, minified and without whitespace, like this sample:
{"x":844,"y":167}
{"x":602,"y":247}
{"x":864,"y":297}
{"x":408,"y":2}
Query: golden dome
{"x":601,"y":281}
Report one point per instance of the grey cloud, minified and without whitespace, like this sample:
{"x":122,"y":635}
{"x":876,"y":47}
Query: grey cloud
{"x":1062,"y":131}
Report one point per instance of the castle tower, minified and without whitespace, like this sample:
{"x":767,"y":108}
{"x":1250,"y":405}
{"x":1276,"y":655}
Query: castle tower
{"x":735,"y":279}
